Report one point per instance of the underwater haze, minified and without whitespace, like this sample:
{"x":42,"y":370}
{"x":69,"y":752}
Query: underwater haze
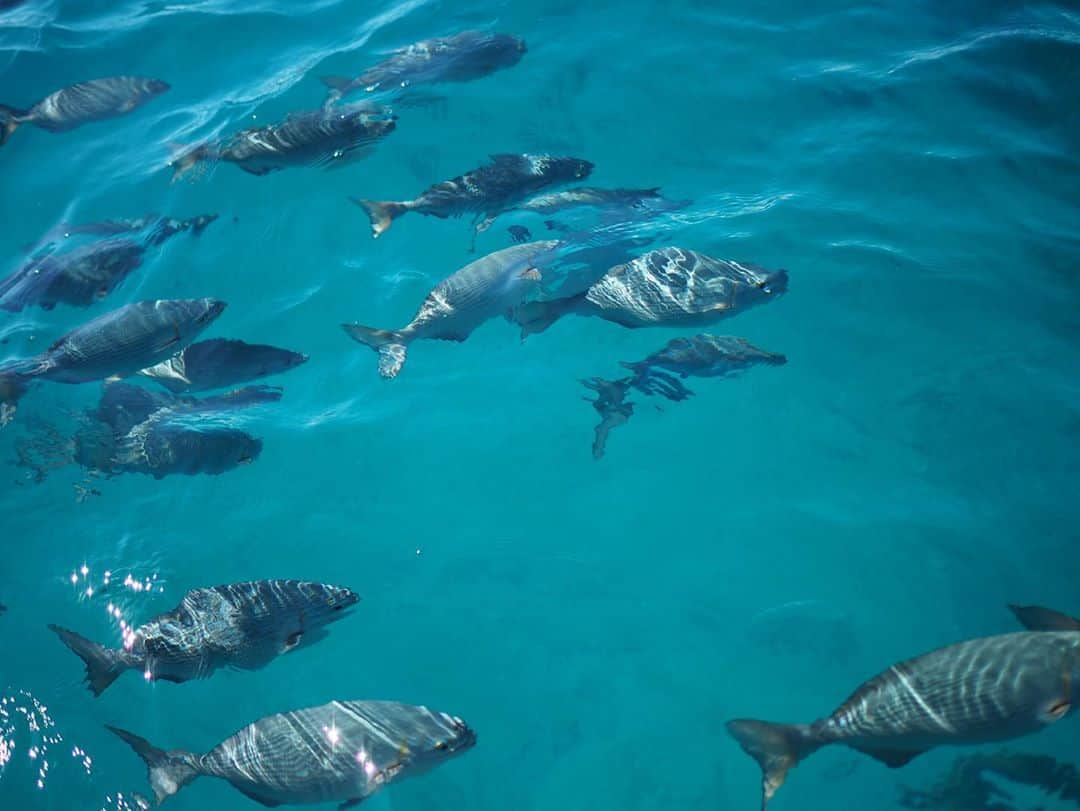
{"x":756,"y":550}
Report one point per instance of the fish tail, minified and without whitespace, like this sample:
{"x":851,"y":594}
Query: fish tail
{"x":102,"y":664}
{"x":537,"y":316}
{"x":185,"y":159}
{"x":168,"y":771}
{"x":10,"y":119}
{"x":390,"y":344}
{"x":777,"y":748}
{"x":381,"y":213}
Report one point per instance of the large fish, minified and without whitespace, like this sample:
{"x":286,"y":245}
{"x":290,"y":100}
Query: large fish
{"x":117,"y":344}
{"x":87,"y":273}
{"x":669,"y":287}
{"x":458,"y":58}
{"x":340,"y":752}
{"x":221,"y":362}
{"x":82,"y":103}
{"x":489,"y":287}
{"x":242,"y":625}
{"x":483,"y":191}
{"x":978,"y":691}
{"x":329,"y":137}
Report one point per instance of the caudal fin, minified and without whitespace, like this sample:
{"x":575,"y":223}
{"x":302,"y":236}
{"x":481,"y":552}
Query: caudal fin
{"x":168,"y":771}
{"x":102,"y":664}
{"x":10,"y":119}
{"x":390,"y":344}
{"x":382,"y":214}
{"x":1037,"y":618}
{"x":777,"y":748}
{"x":537,"y":316}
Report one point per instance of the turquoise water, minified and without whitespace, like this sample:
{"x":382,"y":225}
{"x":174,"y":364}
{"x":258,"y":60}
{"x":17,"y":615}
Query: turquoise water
{"x":912,"y":469}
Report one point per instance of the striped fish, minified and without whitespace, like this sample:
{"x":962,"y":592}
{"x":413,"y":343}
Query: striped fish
{"x":979,"y":691}
{"x":243,"y":625}
{"x":666,"y":287}
{"x":341,"y":752}
{"x":82,"y":103}
{"x":482,"y":290}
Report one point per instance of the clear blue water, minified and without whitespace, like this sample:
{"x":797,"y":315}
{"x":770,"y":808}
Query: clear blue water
{"x":912,"y":469}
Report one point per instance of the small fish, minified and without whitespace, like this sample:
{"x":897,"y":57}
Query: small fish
{"x":117,"y":344}
{"x":483,"y":191}
{"x":611,"y":405}
{"x":340,"y":752}
{"x":220,"y":362}
{"x":665,"y":287}
{"x":82,"y":103}
{"x":978,"y":691}
{"x":579,"y":197}
{"x":519,"y":234}
{"x":458,"y":58}
{"x":242,"y":625}
{"x":1037,"y":618}
{"x":87,"y":273}
{"x":329,"y":137}
{"x":482,"y":290}
{"x":697,"y":356}
{"x":157,"y":229}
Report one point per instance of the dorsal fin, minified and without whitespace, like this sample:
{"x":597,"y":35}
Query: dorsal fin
{"x":1037,"y":618}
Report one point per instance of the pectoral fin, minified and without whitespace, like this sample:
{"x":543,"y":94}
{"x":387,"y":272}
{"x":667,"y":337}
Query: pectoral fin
{"x":1056,"y":710}
{"x":355,"y":801}
{"x":292,"y":641}
{"x":531,"y":274}
{"x":893,"y":758}
{"x":253,"y":796}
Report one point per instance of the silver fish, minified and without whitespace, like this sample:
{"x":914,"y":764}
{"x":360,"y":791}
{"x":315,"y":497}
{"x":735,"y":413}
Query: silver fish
{"x":665,"y":287}
{"x":160,"y":448}
{"x":329,"y":137}
{"x":489,"y":287}
{"x":242,"y":625}
{"x":581,"y":197}
{"x":979,"y":691}
{"x":82,"y":103}
{"x":459,"y":58}
{"x":117,"y":344}
{"x":341,"y":752}
{"x":220,"y":362}
{"x":123,"y":406}
{"x":482,"y":191}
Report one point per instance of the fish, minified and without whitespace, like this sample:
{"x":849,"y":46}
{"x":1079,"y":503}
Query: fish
{"x":578,"y":197}
{"x":85,"y":274}
{"x":666,"y":287}
{"x":116,"y":344}
{"x":123,"y":406}
{"x":489,"y":287}
{"x":611,"y":405}
{"x":1037,"y":618}
{"x":82,"y":103}
{"x":340,"y":752}
{"x":241,"y":625}
{"x":329,"y":137}
{"x":157,"y":229}
{"x":697,"y":356}
{"x":221,"y":362}
{"x":977,"y":691}
{"x":504,"y":181}
{"x":461,"y":57}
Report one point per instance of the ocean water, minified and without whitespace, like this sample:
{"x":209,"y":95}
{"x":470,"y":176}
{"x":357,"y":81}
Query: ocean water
{"x":757,"y":550}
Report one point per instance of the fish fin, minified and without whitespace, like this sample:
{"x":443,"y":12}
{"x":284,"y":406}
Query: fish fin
{"x":537,"y":316}
{"x":10,"y":119}
{"x":168,"y":771}
{"x":102,"y":665}
{"x":292,"y":641}
{"x":390,"y":344}
{"x":381,"y":213}
{"x":531,"y":274}
{"x":339,"y":83}
{"x":1037,"y":618}
{"x":251,"y":795}
{"x":777,"y":748}
{"x":260,"y":172}
{"x":1056,"y":710}
{"x":355,"y":801}
{"x":893,"y":758}
{"x":170,"y":679}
